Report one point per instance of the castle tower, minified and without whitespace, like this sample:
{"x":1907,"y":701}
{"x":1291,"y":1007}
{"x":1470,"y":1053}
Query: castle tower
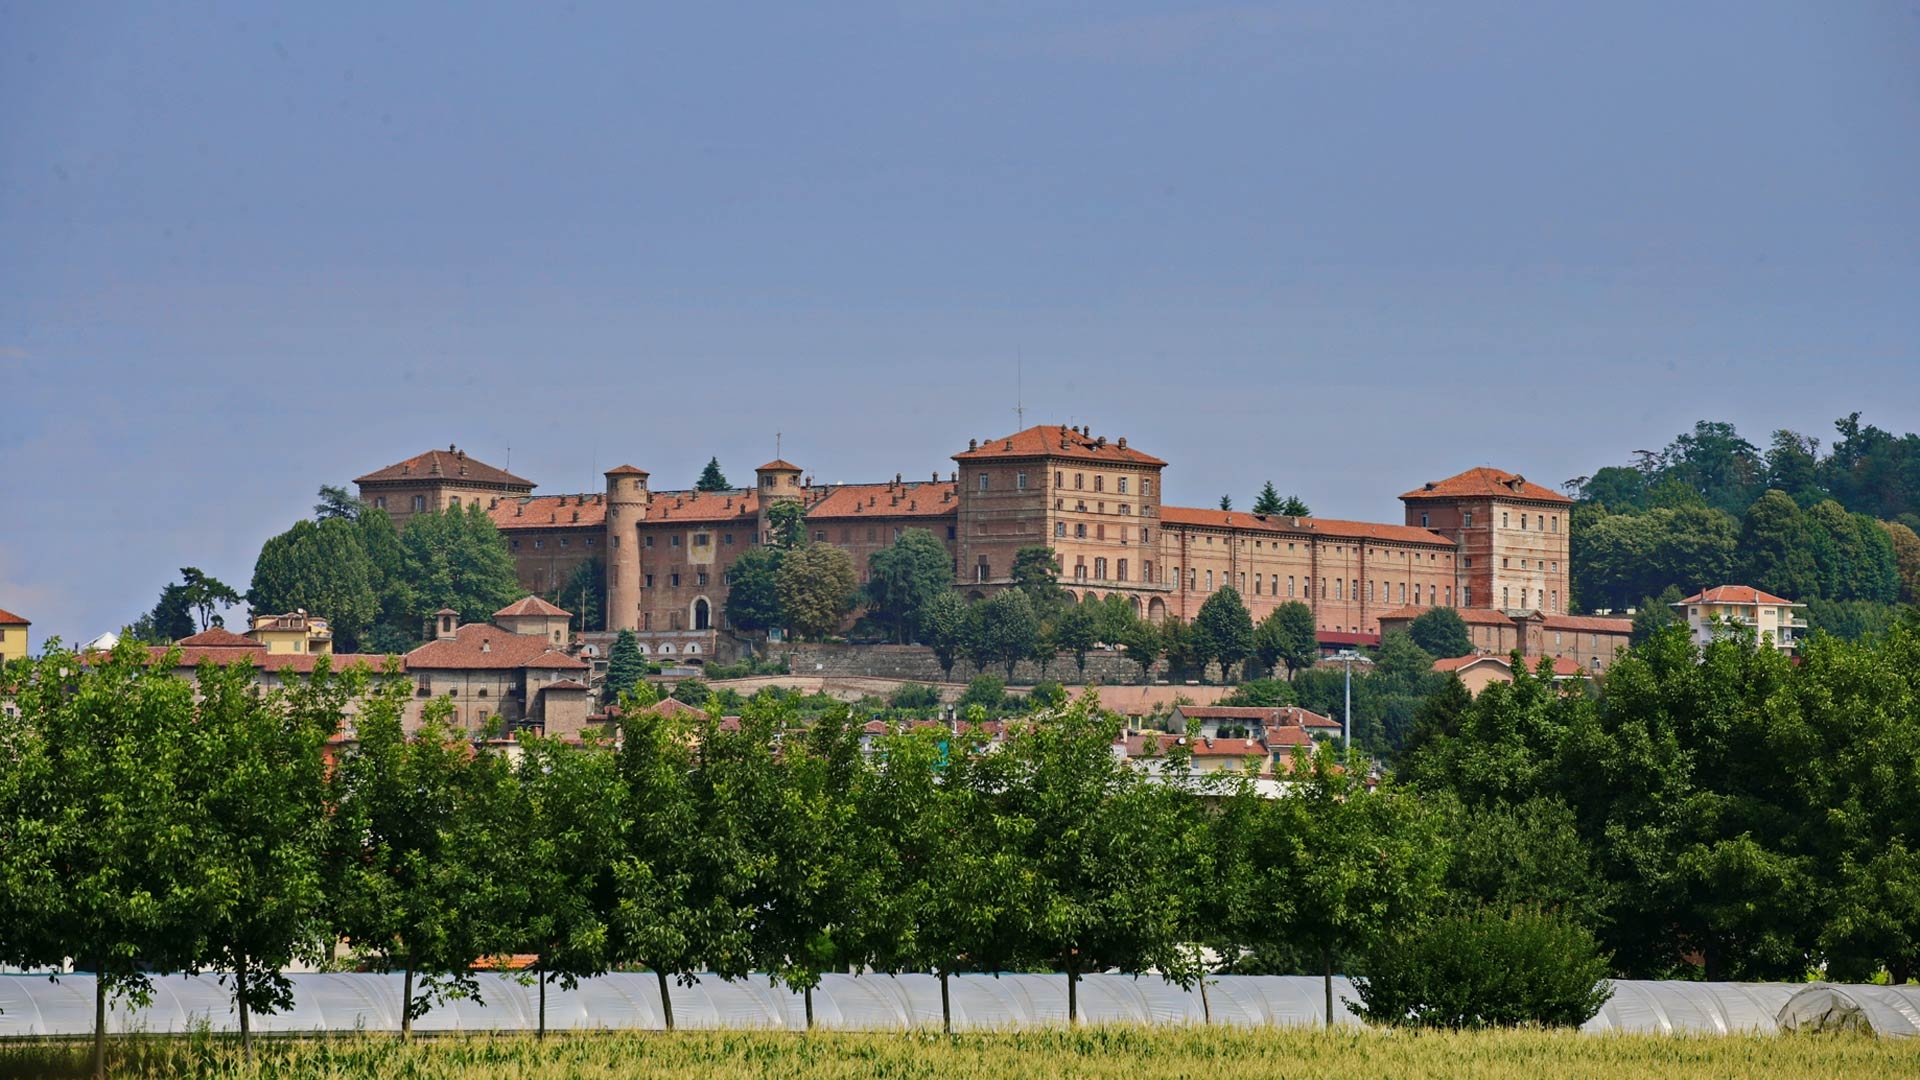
{"x":627,"y":501}
{"x":1512,"y":536}
{"x":776,"y":481}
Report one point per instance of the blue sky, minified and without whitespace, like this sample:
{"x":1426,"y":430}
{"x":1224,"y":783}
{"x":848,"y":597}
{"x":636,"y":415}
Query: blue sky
{"x":248,"y":249}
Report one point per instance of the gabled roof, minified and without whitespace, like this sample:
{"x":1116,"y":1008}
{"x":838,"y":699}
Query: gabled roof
{"x":531,"y":605}
{"x":1585,"y":624}
{"x":1057,"y":441}
{"x":906,"y":499}
{"x":8,"y":618}
{"x":1280,"y":714}
{"x":1486,"y":482}
{"x":485,"y":647}
{"x":778,"y":465}
{"x":696,"y":507}
{"x":218,"y":637}
{"x":448,"y":464}
{"x":1737,"y":594}
{"x":1307,"y":527}
{"x":587,"y":511}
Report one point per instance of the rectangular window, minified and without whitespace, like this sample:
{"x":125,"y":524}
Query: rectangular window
{"x":700,"y":578}
{"x":820,"y":536}
{"x":539,"y":544}
{"x":727,"y":539}
{"x":1503,"y":519}
{"x":1146,"y":487}
{"x":1060,"y":528}
{"x":702,"y":539}
{"x":953,"y":532}
{"x":1469,"y":519}
{"x":984,"y":481}
{"x":1466,"y":596}
{"x":589,"y":541}
{"x":1080,"y":531}
{"x":1059,"y":478}
{"x":674,"y":540}
{"x":563,"y":541}
{"x":648,"y":542}
{"x":1100,"y":569}
{"x":1209,"y":581}
{"x":1123,"y":485}
{"x":1336,"y":589}
{"x":380,"y":502}
{"x":1099,"y":483}
{"x":1289,"y":584}
{"x":649,"y":581}
{"x":673,"y":580}
{"x":1020,"y":481}
{"x":515,"y":546}
{"x":646,"y":620}
{"x":419,"y":503}
{"x":1556,"y":523}
{"x":1079,"y":481}
{"x":1146,"y":572}
{"x":1100,"y":531}
{"x":1145,"y":534}
{"x":1120,"y":570}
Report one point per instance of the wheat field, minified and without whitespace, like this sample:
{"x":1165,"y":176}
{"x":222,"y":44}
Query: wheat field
{"x":1094,"y":1053}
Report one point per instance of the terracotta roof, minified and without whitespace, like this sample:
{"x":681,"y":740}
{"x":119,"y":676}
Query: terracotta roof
{"x":1057,"y":441}
{"x":1470,"y":616}
{"x":1345,"y":637}
{"x":483,"y":646}
{"x":218,"y":637}
{"x":531,"y":605}
{"x":1563,"y":668}
{"x":1288,"y":737}
{"x":1238,"y":748}
{"x":778,"y":465}
{"x":1308,"y":526}
{"x":1142,"y":700}
{"x":627,"y":470}
{"x":550,"y":512}
{"x":1282,"y":714}
{"x":258,"y":656}
{"x":703,"y":506}
{"x":8,"y":618}
{"x":1487,"y":483}
{"x":449,"y":464}
{"x":907,"y":499}
{"x":1597,"y":624}
{"x":1462,"y":663}
{"x":567,"y":684}
{"x":1737,"y":594}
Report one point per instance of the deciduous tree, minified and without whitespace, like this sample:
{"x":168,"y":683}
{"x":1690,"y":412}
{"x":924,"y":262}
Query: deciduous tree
{"x":817,"y":587}
{"x":904,"y":580}
{"x":1441,"y":633}
{"x":1287,"y":637}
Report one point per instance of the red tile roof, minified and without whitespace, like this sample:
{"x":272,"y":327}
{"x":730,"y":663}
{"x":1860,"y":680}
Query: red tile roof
{"x":8,"y":618}
{"x":257,"y":656}
{"x":567,"y":684}
{"x":1585,"y":624}
{"x":778,"y":465}
{"x":1346,"y":637}
{"x":1240,"y":748}
{"x":1486,"y":482}
{"x":550,"y":512}
{"x":696,"y":507}
{"x":1563,"y":668}
{"x":1203,"y":517}
{"x":531,"y":605}
{"x":1737,"y":594}
{"x":1462,"y":663}
{"x":1283,"y":714}
{"x":627,"y":470}
{"x":1471,"y":616}
{"x":922,"y":499}
{"x":448,"y":464}
{"x":218,"y":637}
{"x":485,"y":647}
{"x":1056,"y":441}
{"x":1276,"y":737}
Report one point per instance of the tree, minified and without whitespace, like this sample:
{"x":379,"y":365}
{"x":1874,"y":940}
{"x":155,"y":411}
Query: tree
{"x":787,"y":521}
{"x":711,"y":478}
{"x":1226,"y":502}
{"x":170,"y":620}
{"x":1656,"y":613}
{"x":322,"y":569}
{"x":1287,"y":636}
{"x":572,"y":823}
{"x":397,"y":628}
{"x":904,"y":579}
{"x":1106,"y":852}
{"x":1002,"y":629}
{"x":753,"y":590}
{"x":1142,"y":643}
{"x":103,"y":804}
{"x":625,"y":666}
{"x":1036,"y":573}
{"x":336,"y":502}
{"x":1268,"y":501}
{"x":1776,"y":548}
{"x":1293,"y":506}
{"x":817,"y":587}
{"x":1486,"y":968}
{"x":1223,"y":630}
{"x":204,"y":593}
{"x":261,"y":825}
{"x":415,"y":869}
{"x":1906,"y":559}
{"x":456,"y":559}
{"x":1441,"y":633}
{"x":584,"y":594}
{"x":1075,"y":632}
{"x":944,"y":625}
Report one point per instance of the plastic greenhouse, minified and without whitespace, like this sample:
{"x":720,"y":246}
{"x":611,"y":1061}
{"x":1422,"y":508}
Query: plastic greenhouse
{"x":1883,"y":1010}
{"x":1694,"y":1008}
{"x":32,"y":1005}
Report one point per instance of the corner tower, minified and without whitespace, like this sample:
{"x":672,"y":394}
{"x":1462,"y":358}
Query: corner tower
{"x":1512,"y":538}
{"x":776,"y":481}
{"x":627,"y":501}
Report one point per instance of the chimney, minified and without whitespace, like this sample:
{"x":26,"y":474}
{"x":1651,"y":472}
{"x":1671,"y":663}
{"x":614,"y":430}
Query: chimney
{"x":973,"y":444}
{"x":486,"y":646}
{"x":1123,"y":442}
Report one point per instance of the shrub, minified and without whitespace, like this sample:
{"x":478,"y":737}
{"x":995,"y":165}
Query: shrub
{"x":1047,"y":695}
{"x":1486,"y":969}
{"x":692,"y":691}
{"x":986,"y":691}
{"x":914,"y":696}
{"x":1260,"y":694}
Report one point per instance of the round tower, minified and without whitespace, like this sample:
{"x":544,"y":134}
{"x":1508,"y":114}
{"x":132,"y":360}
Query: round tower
{"x":776,"y":481}
{"x":627,"y":500}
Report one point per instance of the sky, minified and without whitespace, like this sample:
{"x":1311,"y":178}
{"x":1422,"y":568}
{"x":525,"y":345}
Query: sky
{"x":249,"y":249}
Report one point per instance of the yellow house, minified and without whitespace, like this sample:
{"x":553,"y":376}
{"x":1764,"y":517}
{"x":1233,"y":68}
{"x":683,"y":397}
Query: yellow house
{"x":13,"y":636}
{"x":297,"y":634}
{"x":1771,"y":618}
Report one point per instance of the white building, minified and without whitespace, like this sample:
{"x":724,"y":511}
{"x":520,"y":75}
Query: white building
{"x":1772,"y":619}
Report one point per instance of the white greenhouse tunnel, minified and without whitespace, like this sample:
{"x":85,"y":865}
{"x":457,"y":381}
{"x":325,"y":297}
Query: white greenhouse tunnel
{"x":33,"y":1005}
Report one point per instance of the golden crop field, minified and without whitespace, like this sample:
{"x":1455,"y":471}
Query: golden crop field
{"x":1095,"y":1053}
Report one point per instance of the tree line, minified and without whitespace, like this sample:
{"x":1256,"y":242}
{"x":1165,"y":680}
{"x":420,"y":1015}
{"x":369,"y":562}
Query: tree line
{"x":1834,"y":531}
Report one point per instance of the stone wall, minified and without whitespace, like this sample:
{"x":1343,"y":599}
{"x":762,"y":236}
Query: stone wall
{"x":916,"y":663}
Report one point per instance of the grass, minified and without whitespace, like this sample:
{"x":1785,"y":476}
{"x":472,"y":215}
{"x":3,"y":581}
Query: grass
{"x":1098,"y":1053}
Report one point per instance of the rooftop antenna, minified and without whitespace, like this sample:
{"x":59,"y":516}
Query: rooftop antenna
{"x":1019,"y":390}
{"x":509,"y":466}
{"x":776,"y":446}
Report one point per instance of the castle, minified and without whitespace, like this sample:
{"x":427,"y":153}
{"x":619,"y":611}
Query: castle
{"x":1483,"y":541}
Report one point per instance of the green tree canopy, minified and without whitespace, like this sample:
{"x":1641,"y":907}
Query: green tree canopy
{"x":1002,"y":629}
{"x":337,"y":502}
{"x":625,"y":666}
{"x":1223,"y":630}
{"x":817,"y":589}
{"x":1441,"y":633}
{"x":944,"y":624}
{"x":322,"y":569}
{"x":787,"y":521}
{"x":753,"y":590}
{"x":904,"y":579}
{"x":1287,"y":637}
{"x":456,"y":559}
{"x":711,"y":478}
{"x":1268,"y":501}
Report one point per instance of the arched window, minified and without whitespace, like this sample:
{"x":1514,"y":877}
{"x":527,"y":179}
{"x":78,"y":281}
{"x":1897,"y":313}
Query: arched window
{"x":702,"y":614}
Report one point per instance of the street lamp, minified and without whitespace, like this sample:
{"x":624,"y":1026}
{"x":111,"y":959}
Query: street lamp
{"x":1349,"y":657}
